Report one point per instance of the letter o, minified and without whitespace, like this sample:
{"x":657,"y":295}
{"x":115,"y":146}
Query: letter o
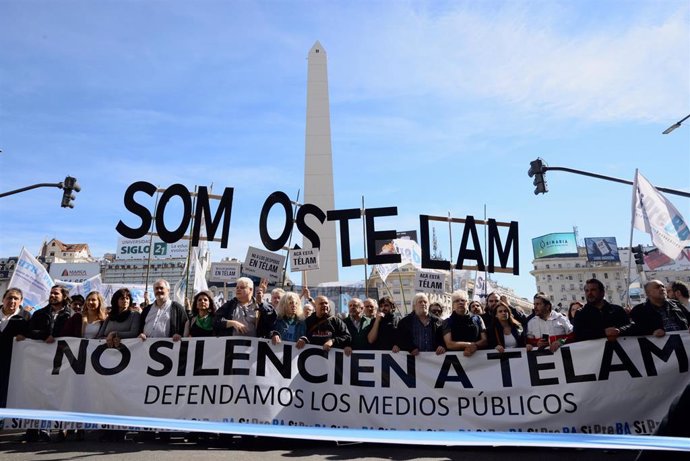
{"x":125,"y":357}
{"x":173,"y":236}
{"x":546,"y":405}
{"x":281,"y":198}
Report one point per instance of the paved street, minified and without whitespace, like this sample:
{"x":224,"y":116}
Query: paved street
{"x":260,"y":449}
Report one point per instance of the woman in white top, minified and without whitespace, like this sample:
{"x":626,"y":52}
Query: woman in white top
{"x":93,"y":315}
{"x":505,"y":332}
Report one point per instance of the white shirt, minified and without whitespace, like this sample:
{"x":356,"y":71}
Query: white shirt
{"x":555,"y":325}
{"x":5,"y":319}
{"x":157,"y":322}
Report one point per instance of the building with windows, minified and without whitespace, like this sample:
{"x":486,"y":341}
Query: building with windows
{"x":562,"y":278}
{"x":58,"y":252}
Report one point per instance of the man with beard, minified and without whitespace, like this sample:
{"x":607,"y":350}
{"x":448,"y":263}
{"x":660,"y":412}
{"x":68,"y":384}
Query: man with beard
{"x":324,"y":329}
{"x":547,"y":329}
{"x":492,"y":303}
{"x":382,"y":334}
{"x":164,"y":318}
{"x":46,"y":324}
{"x":357,"y":325}
{"x":598,"y":318}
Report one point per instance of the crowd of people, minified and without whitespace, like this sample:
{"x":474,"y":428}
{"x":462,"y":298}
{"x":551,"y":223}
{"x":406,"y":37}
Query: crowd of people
{"x":369,"y":323}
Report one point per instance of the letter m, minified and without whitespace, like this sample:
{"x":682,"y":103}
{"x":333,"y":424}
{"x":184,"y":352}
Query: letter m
{"x":673,"y":346}
{"x":203,"y":209}
{"x":504,"y":252}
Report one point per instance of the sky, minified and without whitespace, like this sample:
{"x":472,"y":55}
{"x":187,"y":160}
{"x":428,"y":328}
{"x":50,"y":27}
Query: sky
{"x":436,"y":108}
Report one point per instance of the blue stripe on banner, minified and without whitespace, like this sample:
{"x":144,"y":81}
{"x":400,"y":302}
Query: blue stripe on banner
{"x":533,"y":439}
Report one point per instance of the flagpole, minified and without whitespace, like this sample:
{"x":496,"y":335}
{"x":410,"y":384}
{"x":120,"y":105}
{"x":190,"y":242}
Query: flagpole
{"x":450,"y":241}
{"x":486,"y":246}
{"x":287,"y":258}
{"x":364,"y":240}
{"x":189,"y":250}
{"x":630,"y":244}
{"x":148,"y":263}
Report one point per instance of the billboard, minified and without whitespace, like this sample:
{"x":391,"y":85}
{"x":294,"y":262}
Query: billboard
{"x":555,"y":245}
{"x":74,"y":272}
{"x":602,"y":249}
{"x":139,"y":249}
{"x":387,"y":247}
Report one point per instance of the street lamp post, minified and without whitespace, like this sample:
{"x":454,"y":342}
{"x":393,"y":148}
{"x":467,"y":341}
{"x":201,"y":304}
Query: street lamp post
{"x":675,"y":125}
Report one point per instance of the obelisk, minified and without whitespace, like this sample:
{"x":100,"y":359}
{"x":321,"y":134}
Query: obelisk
{"x":318,"y":166}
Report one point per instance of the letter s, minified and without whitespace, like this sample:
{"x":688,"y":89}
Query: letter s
{"x":137,"y":209}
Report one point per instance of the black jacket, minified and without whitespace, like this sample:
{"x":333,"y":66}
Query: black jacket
{"x":41,"y":324}
{"x":591,"y":322}
{"x":266,"y":318}
{"x":387,"y":334}
{"x":646,"y":318}
{"x":405,"y":336}
{"x":320,"y":330}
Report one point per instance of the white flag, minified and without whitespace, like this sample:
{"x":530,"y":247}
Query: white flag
{"x":33,"y":279}
{"x":200,"y":265}
{"x":655,"y":215}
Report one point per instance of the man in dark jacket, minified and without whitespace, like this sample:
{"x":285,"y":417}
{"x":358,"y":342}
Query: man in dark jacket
{"x":598,"y":318}
{"x":242,"y":315}
{"x":357,"y":325}
{"x":657,"y":316}
{"x":13,"y":322}
{"x":382,"y":334}
{"x":420,"y":331}
{"x":46,"y":323}
{"x":324,"y":329}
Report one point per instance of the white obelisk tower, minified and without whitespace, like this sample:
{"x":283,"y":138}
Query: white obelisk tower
{"x":318,"y":166}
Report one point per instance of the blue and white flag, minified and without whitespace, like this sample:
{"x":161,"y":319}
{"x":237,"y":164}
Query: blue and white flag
{"x":655,"y":215}
{"x":33,"y":279}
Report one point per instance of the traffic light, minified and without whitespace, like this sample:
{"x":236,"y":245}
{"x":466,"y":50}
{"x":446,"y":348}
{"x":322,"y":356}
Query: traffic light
{"x":68,"y":186}
{"x":638,"y":254}
{"x":537,"y":168}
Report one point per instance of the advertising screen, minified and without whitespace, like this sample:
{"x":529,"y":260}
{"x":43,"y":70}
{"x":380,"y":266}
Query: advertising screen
{"x":602,"y":249}
{"x":553,"y":245}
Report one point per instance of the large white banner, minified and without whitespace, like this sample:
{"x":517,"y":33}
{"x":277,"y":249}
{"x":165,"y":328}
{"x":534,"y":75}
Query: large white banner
{"x":596,"y":386}
{"x":33,"y":279}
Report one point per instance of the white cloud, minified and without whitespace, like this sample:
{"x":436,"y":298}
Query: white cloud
{"x":633,"y":71}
